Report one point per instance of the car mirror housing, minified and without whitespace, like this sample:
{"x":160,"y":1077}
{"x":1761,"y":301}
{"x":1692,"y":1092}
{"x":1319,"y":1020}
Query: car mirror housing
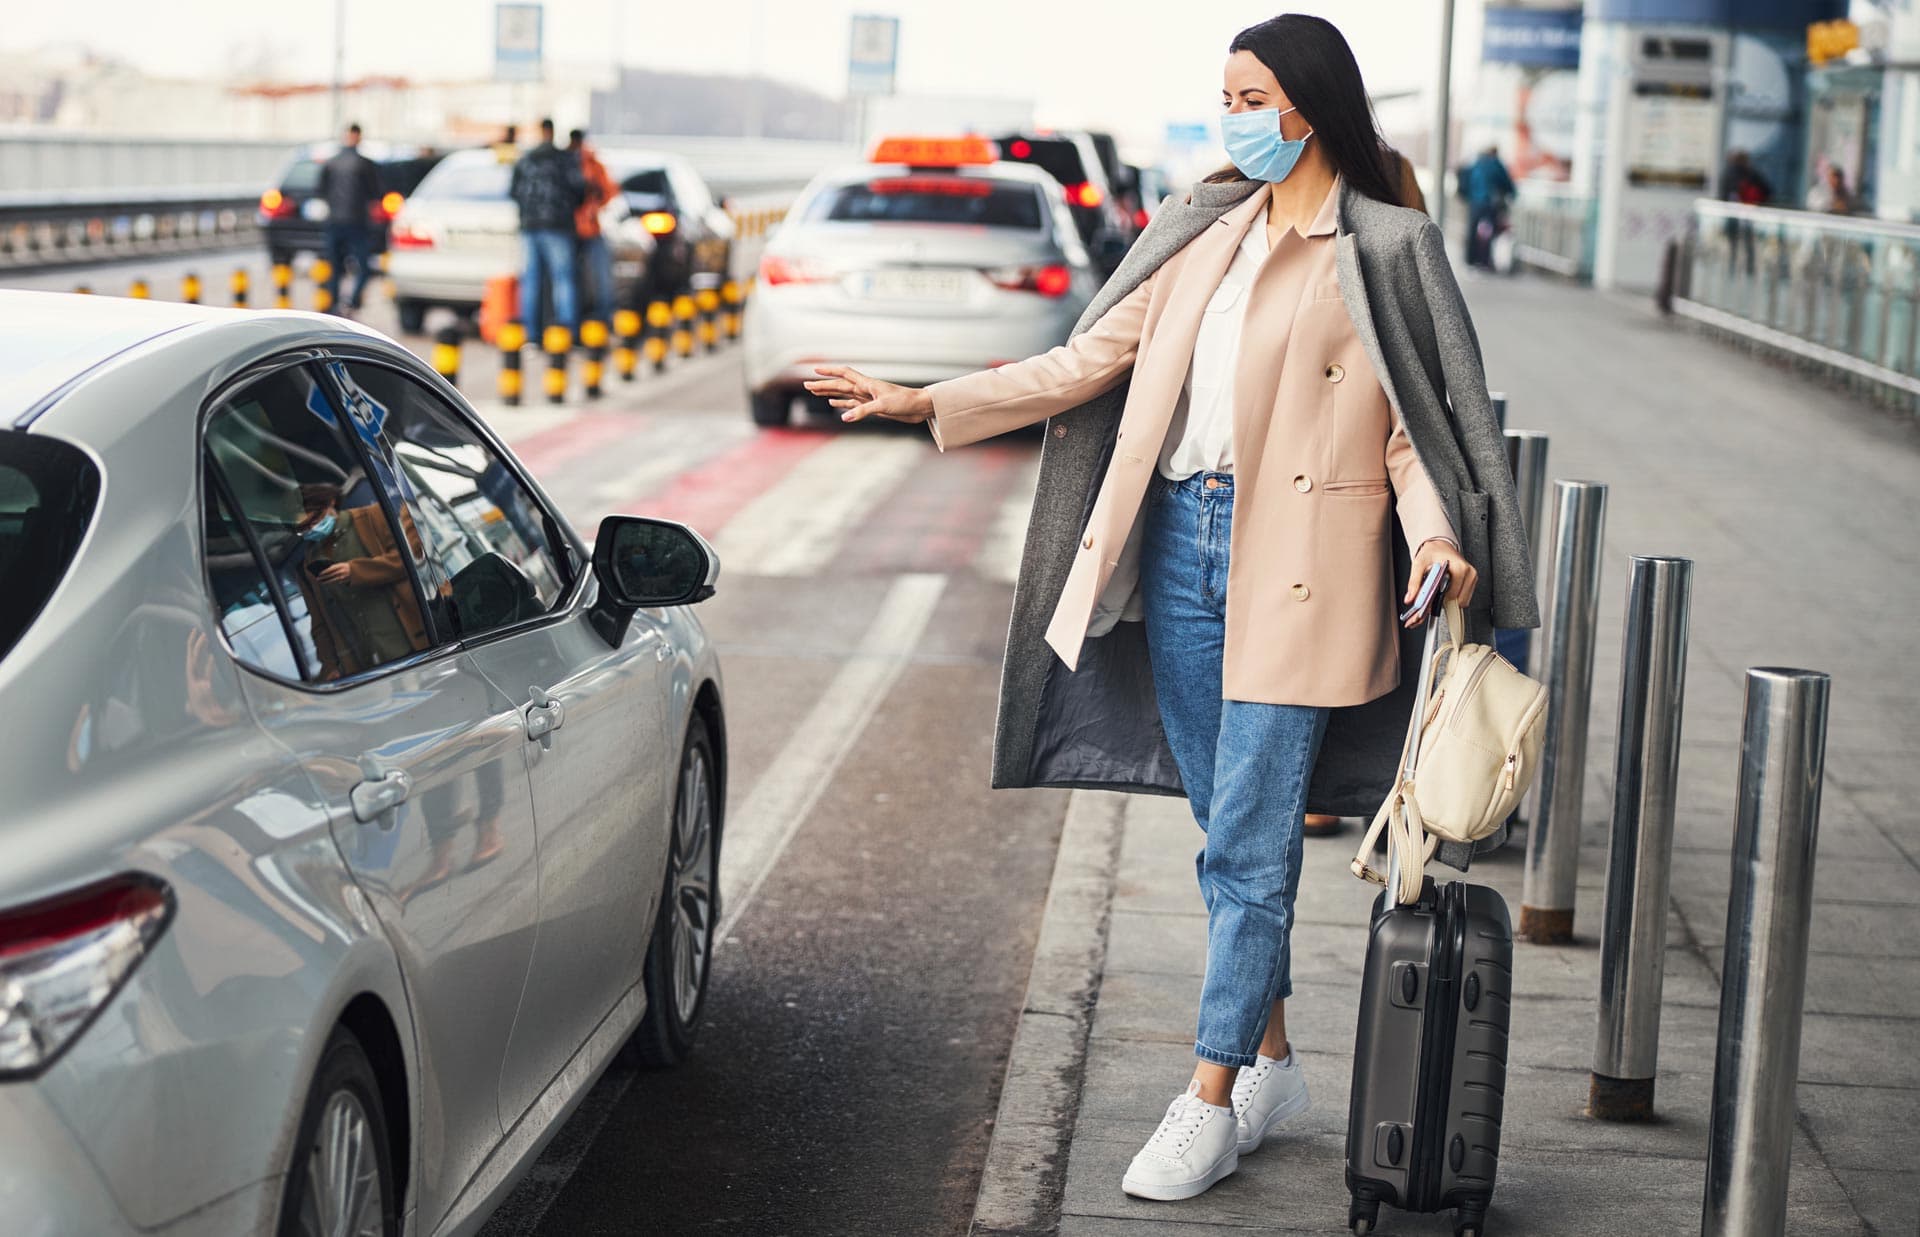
{"x":640,"y":561}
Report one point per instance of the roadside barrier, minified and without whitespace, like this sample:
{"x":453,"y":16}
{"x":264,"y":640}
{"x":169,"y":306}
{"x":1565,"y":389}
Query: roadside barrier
{"x":557,"y":341}
{"x":730,"y":313}
{"x":683,"y":313}
{"x":1553,"y":834}
{"x":626,"y":354}
{"x":190,"y":288}
{"x":282,"y":286}
{"x":708,"y":302}
{"x":1646,"y":773}
{"x":321,"y":272}
{"x":139,"y":290}
{"x":81,"y":289}
{"x":511,"y":337}
{"x":659,"y":322}
{"x":239,"y":281}
{"x":446,"y":354}
{"x":593,"y":347}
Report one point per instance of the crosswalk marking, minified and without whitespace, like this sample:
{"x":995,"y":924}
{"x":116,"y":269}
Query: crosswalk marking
{"x":999,"y":558}
{"x":796,"y":527}
{"x":674,"y":449}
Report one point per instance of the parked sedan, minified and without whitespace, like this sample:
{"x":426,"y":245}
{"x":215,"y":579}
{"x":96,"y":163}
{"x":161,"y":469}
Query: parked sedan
{"x":914,"y":271}
{"x":293,"y":210}
{"x":363,"y":814}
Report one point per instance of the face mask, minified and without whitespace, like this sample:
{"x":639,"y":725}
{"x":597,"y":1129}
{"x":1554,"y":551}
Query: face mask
{"x":1254,"y":144}
{"x":320,"y":529}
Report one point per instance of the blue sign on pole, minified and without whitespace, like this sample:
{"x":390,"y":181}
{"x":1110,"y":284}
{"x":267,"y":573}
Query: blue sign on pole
{"x":1542,"y":38}
{"x":516,"y":42}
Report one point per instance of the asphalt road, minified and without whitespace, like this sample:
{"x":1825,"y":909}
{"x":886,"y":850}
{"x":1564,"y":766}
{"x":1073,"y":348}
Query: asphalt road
{"x":883,"y":903}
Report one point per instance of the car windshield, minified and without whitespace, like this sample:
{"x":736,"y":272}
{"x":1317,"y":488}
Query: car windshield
{"x":921,"y":198}
{"x":474,"y":180}
{"x":1058,"y":157}
{"x":47,"y":494}
{"x":302,"y":177}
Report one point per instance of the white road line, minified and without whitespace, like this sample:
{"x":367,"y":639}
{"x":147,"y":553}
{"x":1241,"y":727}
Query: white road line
{"x":671,"y":448}
{"x":797,"y":526}
{"x":999,"y":557}
{"x":759,"y":830}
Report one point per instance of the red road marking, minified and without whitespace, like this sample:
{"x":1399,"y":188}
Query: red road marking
{"x":549,"y":450}
{"x":709,"y":495}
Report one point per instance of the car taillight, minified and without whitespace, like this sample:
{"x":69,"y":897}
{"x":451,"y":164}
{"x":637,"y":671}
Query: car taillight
{"x":775,"y":270}
{"x":659,"y":222}
{"x":409,"y":236}
{"x":1085,"y":193}
{"x":386,"y":208}
{"x":1021,"y":148}
{"x":63,"y":958}
{"x":276,"y":205}
{"x":1140,"y":217}
{"x":1053,"y":281}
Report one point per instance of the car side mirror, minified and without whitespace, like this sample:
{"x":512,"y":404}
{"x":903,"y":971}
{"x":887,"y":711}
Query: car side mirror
{"x":640,"y":561}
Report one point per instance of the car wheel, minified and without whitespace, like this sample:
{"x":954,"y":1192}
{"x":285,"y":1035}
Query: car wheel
{"x":413,"y":315}
{"x":340,"y":1182}
{"x":771,"y":408}
{"x":680,"y":954}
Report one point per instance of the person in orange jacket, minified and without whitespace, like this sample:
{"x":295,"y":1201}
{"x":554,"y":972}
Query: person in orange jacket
{"x":595,"y":266}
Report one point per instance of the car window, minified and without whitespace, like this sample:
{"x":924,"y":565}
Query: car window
{"x":930,"y":199}
{"x":652,"y":185}
{"x":486,"y":545}
{"x":302,"y":177}
{"x":248,"y":612}
{"x":47,"y":495}
{"x":692,"y":191}
{"x":1058,"y":157}
{"x":280,"y":455}
{"x":472,"y":180}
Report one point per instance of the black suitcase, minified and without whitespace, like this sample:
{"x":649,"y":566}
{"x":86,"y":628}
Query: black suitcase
{"x":1430,"y":1058}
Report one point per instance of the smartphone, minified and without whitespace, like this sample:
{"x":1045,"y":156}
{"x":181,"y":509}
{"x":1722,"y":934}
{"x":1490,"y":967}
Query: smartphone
{"x":1432,"y":589}
{"x":317,"y":563}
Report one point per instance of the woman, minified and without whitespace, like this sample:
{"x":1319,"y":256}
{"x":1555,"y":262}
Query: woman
{"x":1281,"y":363}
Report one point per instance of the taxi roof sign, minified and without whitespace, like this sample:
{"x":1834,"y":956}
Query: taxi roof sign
{"x":942,"y":152}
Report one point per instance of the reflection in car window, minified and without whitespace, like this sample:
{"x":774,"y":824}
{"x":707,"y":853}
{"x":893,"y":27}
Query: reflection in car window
{"x":931,"y":199}
{"x":487,"y":546}
{"x":301,"y":492}
{"x":241,"y":595}
{"x":47,"y":495}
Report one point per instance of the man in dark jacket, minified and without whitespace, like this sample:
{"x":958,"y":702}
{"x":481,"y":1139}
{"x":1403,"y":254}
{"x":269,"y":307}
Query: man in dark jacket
{"x":350,"y":183}
{"x":548,"y":187}
{"x":1487,"y":187}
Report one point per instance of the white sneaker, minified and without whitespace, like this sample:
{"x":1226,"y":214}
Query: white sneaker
{"x":1192,"y":1149}
{"x":1265,"y":1094}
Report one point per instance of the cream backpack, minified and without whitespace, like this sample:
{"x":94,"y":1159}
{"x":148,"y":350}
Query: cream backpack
{"x":1473,"y":744}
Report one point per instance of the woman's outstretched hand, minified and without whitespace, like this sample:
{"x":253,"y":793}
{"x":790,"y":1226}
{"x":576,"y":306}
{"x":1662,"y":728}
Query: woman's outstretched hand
{"x":1461,"y":577}
{"x":859,"y":397}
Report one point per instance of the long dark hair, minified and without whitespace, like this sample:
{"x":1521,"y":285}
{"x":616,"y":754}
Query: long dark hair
{"x":1310,"y":59}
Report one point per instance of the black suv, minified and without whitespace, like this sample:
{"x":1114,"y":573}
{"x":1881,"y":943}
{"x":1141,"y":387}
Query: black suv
{"x":293,"y":214}
{"x":1074,"y":160}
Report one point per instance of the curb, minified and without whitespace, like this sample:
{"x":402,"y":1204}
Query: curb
{"x":1025,"y":1176}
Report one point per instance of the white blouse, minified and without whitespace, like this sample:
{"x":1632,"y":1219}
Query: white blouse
{"x":1200,"y":436}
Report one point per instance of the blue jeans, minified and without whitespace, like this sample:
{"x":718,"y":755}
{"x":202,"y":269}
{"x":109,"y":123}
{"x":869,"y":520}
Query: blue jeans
{"x":596,"y":272}
{"x":1245,"y":765}
{"x":349,"y":240}
{"x":549,"y":259}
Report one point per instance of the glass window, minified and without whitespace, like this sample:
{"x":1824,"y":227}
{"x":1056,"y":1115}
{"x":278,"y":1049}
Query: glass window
{"x":47,"y":494}
{"x":302,"y":492}
{"x":926,"y":198}
{"x":489,"y":552}
{"x":467,"y":178}
{"x":1059,"y":157}
{"x":244,"y":600}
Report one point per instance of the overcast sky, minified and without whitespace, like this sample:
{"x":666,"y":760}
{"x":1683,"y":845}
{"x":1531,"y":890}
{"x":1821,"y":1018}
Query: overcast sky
{"x":1124,"y":64}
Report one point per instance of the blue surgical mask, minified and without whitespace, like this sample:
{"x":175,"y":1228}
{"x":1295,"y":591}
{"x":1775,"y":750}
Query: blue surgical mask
{"x":1254,"y":144}
{"x":320,"y":529}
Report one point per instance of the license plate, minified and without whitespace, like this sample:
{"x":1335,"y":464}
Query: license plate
{"x":314,"y":209}
{"x":946,"y":286}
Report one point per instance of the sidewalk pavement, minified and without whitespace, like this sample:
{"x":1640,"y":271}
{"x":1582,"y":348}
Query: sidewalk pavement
{"x":1801,"y":509}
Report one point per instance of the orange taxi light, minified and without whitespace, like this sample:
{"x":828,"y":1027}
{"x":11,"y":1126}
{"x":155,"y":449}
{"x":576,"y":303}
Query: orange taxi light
{"x":934,"y":151}
{"x":659,"y":222}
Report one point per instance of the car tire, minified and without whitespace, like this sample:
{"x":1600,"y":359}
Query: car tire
{"x":680,"y":951}
{"x":413,"y":315}
{"x":771,"y":408}
{"x":342,"y":1143}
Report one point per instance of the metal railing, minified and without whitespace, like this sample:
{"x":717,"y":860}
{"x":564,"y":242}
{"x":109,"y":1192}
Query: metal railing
{"x":49,"y":229}
{"x":1553,"y":227}
{"x":1837,"y":292}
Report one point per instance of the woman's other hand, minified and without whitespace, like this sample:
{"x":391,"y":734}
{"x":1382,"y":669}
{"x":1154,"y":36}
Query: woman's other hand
{"x":336,"y":573}
{"x":859,"y":397}
{"x":1461,"y":577}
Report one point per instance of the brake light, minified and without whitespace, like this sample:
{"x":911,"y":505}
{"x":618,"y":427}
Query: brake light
{"x":275,"y":204}
{"x":1021,"y":148}
{"x":776,"y":270}
{"x":1048,"y":281}
{"x":386,"y":208}
{"x":1140,"y":217}
{"x":659,"y":222}
{"x":1085,"y":193}
{"x":948,"y":186}
{"x":409,"y":236}
{"x":63,"y":958}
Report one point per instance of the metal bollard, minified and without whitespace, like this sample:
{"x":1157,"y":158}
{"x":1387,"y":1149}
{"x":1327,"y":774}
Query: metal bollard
{"x":239,"y":282}
{"x":1499,"y":400}
{"x":659,"y":322}
{"x":139,"y":289}
{"x":511,"y":337}
{"x":321,"y":272}
{"x":446,"y":354}
{"x":626,"y":330}
{"x":1527,"y":459}
{"x":1646,"y":769}
{"x":556,"y":341}
{"x":730,"y":315}
{"x":1764,"y":979}
{"x":683,"y":312}
{"x":593,"y":347}
{"x":282,"y":286}
{"x":190,"y":288}
{"x":1553,"y":840}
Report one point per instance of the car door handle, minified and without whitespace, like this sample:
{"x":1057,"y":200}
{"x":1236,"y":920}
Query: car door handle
{"x":545,"y":715}
{"x":376,"y":796}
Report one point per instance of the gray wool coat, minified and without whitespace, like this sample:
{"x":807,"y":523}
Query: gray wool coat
{"x":1099,"y":726}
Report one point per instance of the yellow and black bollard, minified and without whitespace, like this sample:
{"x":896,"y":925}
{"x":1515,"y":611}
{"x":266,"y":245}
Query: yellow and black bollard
{"x":730,"y":313}
{"x":190,"y":288}
{"x":683,"y":312}
{"x":321,"y":272}
{"x":626,"y":330}
{"x":139,"y":290}
{"x":557,"y":340}
{"x":282,"y":286}
{"x":386,"y":277}
{"x":593,"y":361}
{"x":511,"y":337}
{"x":659,"y":321}
{"x":709,"y":303}
{"x":82,"y":289}
{"x":446,"y":354}
{"x":239,"y":283}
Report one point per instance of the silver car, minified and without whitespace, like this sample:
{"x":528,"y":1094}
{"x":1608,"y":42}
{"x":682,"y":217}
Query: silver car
{"x":356,"y":814}
{"x":914,"y":272}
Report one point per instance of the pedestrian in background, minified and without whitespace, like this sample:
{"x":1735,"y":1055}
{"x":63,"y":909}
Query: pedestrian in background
{"x":1411,"y":195}
{"x":507,"y":149}
{"x":1487,"y":188}
{"x":596,"y":256}
{"x":1207,"y":588}
{"x":1829,"y":194}
{"x":548,"y":189}
{"x":1742,"y":182}
{"x":350,"y":185}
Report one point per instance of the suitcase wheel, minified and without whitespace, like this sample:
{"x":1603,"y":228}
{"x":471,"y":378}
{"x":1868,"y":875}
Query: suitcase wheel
{"x":1470,"y":1221}
{"x":1362,"y":1215}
